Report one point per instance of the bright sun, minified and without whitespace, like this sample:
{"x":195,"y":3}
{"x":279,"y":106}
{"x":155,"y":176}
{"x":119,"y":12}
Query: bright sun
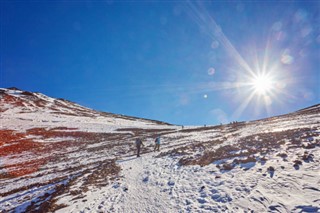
{"x":262,"y":84}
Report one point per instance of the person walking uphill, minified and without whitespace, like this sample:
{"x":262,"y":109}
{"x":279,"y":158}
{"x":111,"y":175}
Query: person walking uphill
{"x":157,"y":144}
{"x":139,"y":144}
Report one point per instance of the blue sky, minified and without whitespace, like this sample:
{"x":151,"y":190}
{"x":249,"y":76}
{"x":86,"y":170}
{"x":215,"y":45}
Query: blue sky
{"x":191,"y":63}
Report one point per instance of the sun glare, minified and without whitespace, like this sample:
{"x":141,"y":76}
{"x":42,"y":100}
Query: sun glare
{"x":262,"y":84}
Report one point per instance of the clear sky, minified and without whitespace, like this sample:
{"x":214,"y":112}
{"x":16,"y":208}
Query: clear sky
{"x":191,"y":63}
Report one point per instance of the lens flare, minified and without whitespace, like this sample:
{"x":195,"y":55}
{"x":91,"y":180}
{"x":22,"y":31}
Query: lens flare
{"x":286,"y":59}
{"x":259,"y":79}
{"x":211,"y":71}
{"x":262,"y":84}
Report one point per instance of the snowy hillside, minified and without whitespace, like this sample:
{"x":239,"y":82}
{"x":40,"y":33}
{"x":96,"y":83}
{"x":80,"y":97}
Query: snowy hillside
{"x":21,"y":110}
{"x":57,"y":156}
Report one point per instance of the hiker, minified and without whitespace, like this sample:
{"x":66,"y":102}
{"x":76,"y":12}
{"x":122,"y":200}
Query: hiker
{"x":157,"y":144}
{"x":138,"y":144}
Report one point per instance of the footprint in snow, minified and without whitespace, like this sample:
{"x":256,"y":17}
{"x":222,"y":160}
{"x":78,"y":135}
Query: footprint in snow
{"x":188,"y":202}
{"x":147,"y":172}
{"x":307,"y":208}
{"x":201,"y":200}
{"x":116,"y":185}
{"x":145,"y":179}
{"x":171,"y":183}
{"x":222,"y":198}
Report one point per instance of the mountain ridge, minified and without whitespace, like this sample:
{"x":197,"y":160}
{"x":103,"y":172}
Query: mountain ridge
{"x":35,"y":94}
{"x":31,"y":102}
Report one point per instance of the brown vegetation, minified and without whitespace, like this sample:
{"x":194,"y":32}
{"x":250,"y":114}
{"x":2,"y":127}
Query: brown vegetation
{"x":247,"y":146}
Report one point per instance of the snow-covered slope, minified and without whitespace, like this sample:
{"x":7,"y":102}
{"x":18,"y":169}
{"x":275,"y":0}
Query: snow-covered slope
{"x":21,"y":110}
{"x":57,"y":156}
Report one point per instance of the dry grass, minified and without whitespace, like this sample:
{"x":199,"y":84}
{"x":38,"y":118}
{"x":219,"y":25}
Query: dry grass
{"x":248,"y":146}
{"x":99,"y":174}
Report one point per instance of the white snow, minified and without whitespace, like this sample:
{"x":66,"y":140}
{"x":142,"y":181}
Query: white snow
{"x":151,"y":184}
{"x":156,"y":181}
{"x":21,"y":118}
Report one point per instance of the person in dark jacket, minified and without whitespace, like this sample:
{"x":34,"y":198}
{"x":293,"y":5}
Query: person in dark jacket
{"x":157,"y":144}
{"x":139,"y":144}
